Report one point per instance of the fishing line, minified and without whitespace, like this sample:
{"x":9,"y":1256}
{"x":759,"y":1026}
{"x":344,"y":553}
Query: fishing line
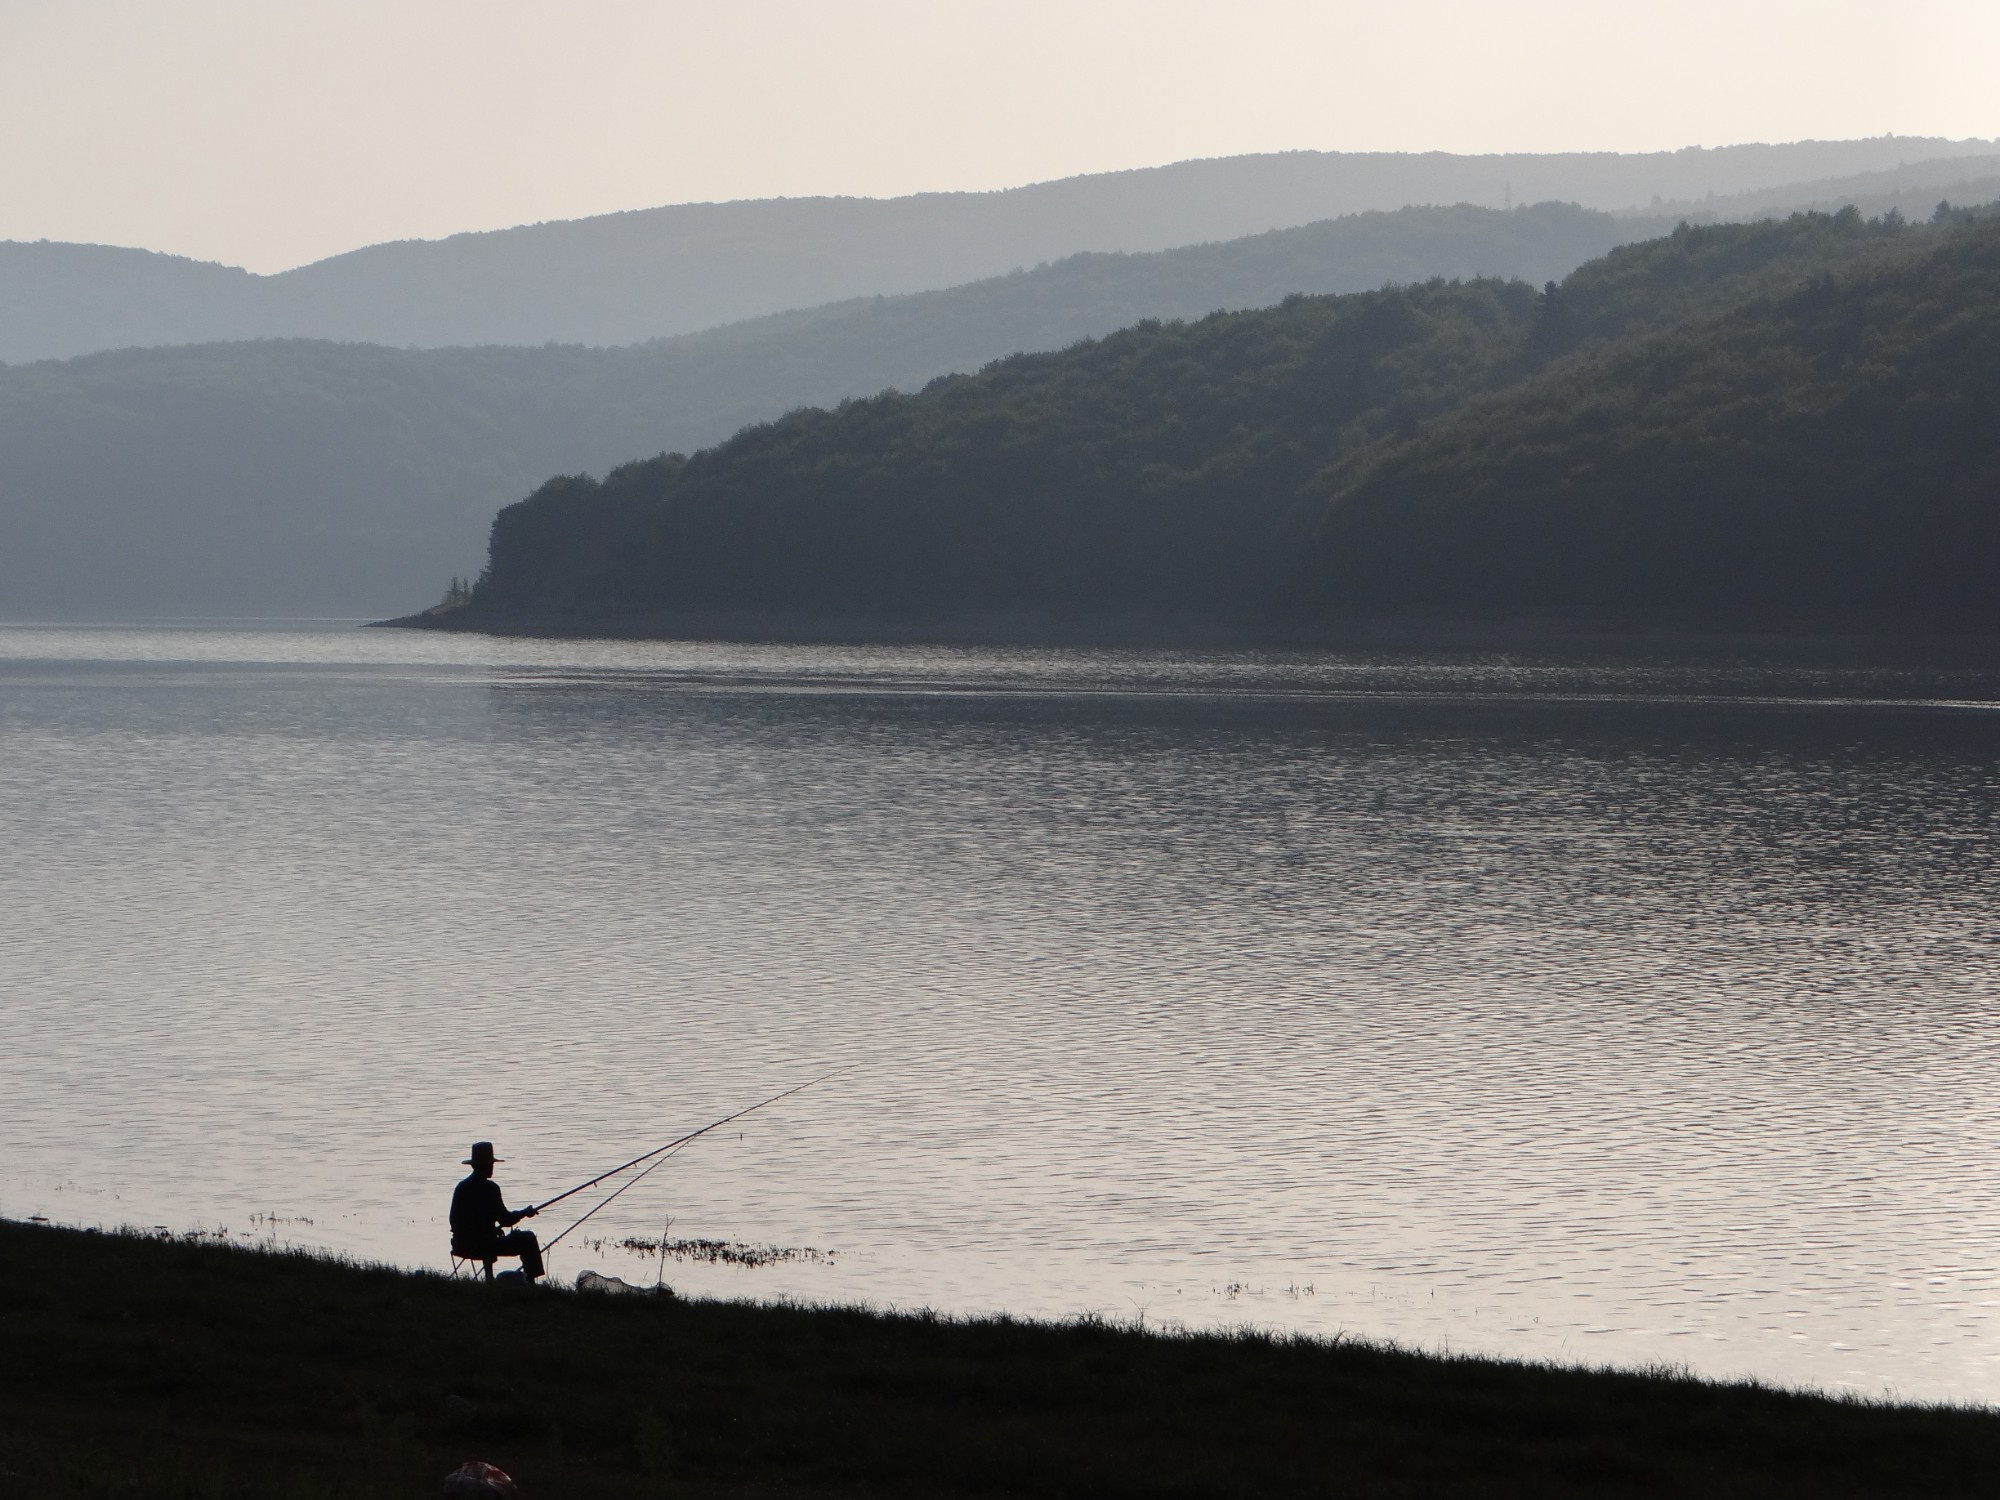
{"x":670,"y":1145}
{"x":670,"y":1150}
{"x":664,"y":1159}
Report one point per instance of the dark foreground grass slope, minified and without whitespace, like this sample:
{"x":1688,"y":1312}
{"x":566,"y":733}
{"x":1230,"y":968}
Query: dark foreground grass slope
{"x":133,"y":1367}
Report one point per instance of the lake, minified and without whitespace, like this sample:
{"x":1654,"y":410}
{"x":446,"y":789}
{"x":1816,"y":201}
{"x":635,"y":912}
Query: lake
{"x":1622,"y":1004}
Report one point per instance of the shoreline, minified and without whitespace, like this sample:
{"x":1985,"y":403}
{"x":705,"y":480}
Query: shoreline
{"x":1939,"y":643}
{"x":145,"y":1366}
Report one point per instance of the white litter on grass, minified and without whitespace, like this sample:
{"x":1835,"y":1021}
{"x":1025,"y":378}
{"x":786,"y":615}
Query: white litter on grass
{"x":474,"y":1480}
{"x":590,"y":1281}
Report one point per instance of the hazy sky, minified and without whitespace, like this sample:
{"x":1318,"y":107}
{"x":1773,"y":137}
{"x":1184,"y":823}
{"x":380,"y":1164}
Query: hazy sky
{"x":271,"y":132}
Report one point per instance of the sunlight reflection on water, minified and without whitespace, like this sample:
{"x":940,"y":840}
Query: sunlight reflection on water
{"x":1604,"y":1009}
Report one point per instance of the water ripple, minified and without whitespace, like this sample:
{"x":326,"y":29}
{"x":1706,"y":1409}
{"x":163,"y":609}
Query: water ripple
{"x":1633,"y":1010}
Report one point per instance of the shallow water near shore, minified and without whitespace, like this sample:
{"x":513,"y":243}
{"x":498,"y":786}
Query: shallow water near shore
{"x":1630,"y":1003}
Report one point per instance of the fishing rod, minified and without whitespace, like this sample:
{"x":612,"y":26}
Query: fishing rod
{"x":669,"y":1151}
{"x":675,"y":1145}
{"x":666,"y":1157}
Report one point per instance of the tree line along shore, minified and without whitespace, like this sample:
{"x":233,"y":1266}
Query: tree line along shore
{"x":1782,"y":424}
{"x":138,"y":1367}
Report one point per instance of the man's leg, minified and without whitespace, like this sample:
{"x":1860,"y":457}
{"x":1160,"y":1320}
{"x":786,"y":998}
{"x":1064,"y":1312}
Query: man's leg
{"x":522,"y":1242}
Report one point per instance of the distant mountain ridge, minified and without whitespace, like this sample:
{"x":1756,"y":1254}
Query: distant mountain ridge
{"x":624,"y":278}
{"x":1913,"y":190}
{"x":295,"y":476}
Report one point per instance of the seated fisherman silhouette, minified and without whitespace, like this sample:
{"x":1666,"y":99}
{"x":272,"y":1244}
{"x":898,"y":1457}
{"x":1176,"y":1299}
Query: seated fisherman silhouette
{"x":482,"y":1225}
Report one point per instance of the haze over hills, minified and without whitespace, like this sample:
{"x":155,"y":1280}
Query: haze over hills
{"x":296,"y":476}
{"x":1912,"y":190}
{"x":1756,"y":422}
{"x":623,"y":278}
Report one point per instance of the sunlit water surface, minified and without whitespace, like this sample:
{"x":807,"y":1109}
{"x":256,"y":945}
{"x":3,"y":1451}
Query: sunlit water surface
{"x":1629,"y":1008}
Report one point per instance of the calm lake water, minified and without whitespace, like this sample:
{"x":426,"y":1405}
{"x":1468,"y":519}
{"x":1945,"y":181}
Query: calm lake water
{"x":1636,"y":1008}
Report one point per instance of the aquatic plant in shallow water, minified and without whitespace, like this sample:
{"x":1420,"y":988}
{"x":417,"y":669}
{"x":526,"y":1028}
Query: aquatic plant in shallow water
{"x":723,"y":1252}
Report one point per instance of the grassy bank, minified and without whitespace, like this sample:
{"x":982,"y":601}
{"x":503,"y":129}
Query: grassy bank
{"x":133,"y":1367}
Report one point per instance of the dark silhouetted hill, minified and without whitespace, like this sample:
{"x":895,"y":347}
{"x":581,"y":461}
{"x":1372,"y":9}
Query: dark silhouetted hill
{"x":623,"y":278}
{"x":305,"y":476}
{"x":1826,"y":451}
{"x":1765,"y":422}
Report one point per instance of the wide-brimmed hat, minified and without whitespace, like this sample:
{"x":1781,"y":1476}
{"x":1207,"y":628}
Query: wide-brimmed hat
{"x":481,"y":1151}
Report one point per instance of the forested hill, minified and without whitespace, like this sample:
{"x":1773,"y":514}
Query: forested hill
{"x":302,"y":476}
{"x":1912,"y":188}
{"x":1766,"y":421}
{"x":1829,"y":450}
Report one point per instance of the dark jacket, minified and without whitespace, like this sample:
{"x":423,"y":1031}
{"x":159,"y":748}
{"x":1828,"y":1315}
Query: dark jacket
{"x":479,"y":1213}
